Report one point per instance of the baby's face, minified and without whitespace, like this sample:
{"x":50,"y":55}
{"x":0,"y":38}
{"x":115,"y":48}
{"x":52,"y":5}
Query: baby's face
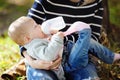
{"x":35,"y":29}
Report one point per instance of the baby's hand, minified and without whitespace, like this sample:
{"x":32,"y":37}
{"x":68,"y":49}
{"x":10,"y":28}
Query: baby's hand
{"x":61,"y":34}
{"x":53,"y":32}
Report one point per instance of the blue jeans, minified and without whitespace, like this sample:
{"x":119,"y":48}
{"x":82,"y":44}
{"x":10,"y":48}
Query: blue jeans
{"x":78,"y":52}
{"x":89,"y":72}
{"x":39,"y":74}
{"x":101,"y":52}
{"x":76,"y":65}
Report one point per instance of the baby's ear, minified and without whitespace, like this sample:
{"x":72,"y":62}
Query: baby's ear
{"x":26,"y":39}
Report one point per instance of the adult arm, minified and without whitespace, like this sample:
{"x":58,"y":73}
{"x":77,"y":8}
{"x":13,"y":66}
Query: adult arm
{"x":42,"y":64}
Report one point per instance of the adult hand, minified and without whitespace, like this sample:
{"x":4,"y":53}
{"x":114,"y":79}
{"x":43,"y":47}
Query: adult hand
{"x":56,"y":63}
{"x":42,"y":64}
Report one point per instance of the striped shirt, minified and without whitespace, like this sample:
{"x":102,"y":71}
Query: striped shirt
{"x":91,"y":13}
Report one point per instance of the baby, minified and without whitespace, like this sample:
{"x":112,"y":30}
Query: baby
{"x":26,"y":32}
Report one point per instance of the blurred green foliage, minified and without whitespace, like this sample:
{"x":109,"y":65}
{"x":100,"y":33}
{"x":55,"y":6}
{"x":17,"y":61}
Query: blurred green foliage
{"x":12,"y":9}
{"x":9,"y":53}
{"x":114,"y":9}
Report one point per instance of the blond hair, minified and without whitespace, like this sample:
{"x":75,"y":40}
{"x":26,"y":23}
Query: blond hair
{"x":18,"y":29}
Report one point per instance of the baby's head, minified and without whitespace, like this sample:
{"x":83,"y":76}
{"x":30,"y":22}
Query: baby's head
{"x":23,"y":30}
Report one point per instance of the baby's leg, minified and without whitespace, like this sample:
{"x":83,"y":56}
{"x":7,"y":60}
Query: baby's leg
{"x":78,"y":57}
{"x":101,"y":52}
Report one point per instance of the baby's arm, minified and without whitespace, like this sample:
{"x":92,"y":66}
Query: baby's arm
{"x":55,"y":46}
{"x":50,"y":52}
